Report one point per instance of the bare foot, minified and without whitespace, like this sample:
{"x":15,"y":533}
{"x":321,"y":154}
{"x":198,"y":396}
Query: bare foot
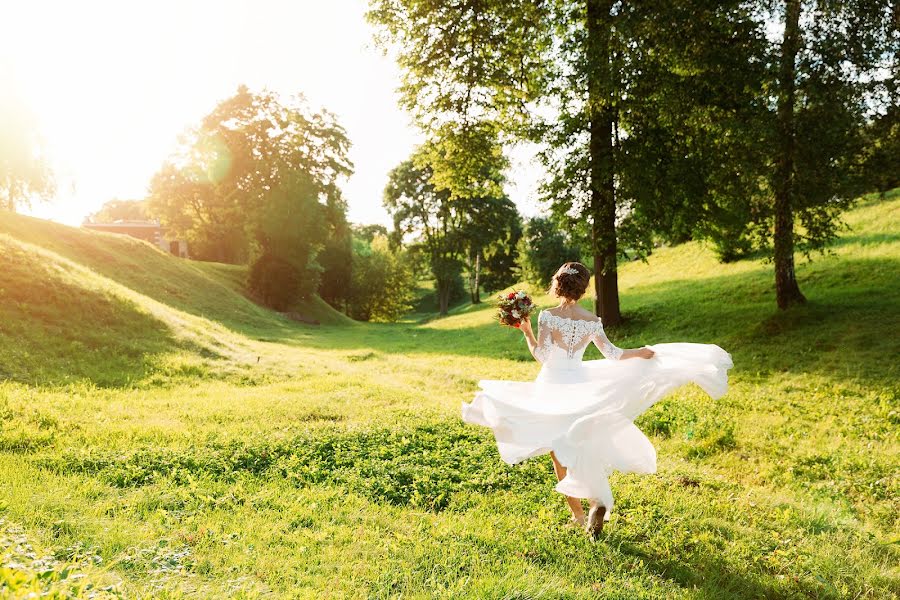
{"x":578,"y":521}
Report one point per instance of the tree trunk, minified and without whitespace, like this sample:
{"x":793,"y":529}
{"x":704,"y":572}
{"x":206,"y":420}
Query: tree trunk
{"x":476,"y":292}
{"x":787,"y":292}
{"x":470,"y":264}
{"x":603,"y":193}
{"x":443,"y":293}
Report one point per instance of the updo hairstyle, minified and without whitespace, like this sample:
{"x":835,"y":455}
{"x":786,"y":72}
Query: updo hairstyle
{"x":570,"y":281}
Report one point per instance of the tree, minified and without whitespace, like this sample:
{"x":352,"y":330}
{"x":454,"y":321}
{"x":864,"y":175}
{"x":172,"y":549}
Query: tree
{"x":602,"y":84}
{"x":24,"y":171}
{"x":825,"y":72}
{"x":467,"y":161}
{"x":542,"y":249}
{"x":490,"y":221}
{"x":382,"y":284}
{"x":290,"y":229}
{"x":120,"y":210}
{"x":499,"y":268}
{"x":212,"y":189}
{"x":336,"y":257}
{"x":431,"y":217}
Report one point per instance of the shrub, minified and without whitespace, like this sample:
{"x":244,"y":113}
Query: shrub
{"x":275,"y":281}
{"x":382,"y":284}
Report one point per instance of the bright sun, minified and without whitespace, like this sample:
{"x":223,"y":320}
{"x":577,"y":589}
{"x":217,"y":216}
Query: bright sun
{"x":112,"y":84}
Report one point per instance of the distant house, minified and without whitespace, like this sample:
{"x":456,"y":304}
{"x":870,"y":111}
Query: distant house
{"x":150,"y":231}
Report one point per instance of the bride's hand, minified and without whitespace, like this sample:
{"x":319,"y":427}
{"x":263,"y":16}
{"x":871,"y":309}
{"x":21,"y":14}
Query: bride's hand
{"x":525,"y":327}
{"x":644,"y":352}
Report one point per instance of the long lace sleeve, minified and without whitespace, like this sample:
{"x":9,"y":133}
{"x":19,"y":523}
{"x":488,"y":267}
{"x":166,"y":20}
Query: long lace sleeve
{"x":544,"y":340}
{"x":607,"y":348}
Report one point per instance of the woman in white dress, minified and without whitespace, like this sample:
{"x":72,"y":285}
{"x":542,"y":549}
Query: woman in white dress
{"x":582,"y":412}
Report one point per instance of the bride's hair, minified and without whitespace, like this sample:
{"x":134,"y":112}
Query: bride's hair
{"x":570,"y":281}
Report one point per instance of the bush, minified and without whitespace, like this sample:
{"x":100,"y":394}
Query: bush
{"x":381,"y":285}
{"x":275,"y":282}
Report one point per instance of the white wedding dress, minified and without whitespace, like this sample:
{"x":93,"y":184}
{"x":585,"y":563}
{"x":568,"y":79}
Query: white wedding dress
{"x":584,"y":410}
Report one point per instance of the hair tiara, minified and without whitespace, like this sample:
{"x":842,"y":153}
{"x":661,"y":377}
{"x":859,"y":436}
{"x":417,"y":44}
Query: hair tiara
{"x":570,"y":271}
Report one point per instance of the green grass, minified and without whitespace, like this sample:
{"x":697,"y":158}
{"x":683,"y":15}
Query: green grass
{"x":163,"y":436}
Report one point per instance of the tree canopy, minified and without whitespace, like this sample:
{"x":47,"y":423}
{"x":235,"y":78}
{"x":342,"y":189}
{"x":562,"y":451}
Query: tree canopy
{"x":737,"y":121}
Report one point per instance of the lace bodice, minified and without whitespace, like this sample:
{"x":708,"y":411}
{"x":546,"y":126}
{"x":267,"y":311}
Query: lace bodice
{"x":571,"y":336}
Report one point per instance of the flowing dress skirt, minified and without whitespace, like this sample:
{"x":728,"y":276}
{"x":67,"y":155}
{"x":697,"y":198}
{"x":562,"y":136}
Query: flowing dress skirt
{"x":584,"y":412}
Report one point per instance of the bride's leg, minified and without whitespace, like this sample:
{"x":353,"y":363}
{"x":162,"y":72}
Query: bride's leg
{"x":574,"y":503}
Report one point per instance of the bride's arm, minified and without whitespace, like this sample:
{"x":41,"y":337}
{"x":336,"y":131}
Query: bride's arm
{"x":611,"y":351}
{"x":539,"y":345}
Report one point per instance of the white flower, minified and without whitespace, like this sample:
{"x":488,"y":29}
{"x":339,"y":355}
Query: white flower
{"x":521,"y":294}
{"x":516,"y":314}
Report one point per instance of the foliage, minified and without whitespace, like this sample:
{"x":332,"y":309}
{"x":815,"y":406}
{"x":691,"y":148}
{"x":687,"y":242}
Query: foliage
{"x":275,"y":281}
{"x":462,"y":62}
{"x":431,"y":217}
{"x":382,"y":285}
{"x":499,"y":267}
{"x":367,"y":233}
{"x":25,"y":173}
{"x":290,"y":229}
{"x":336,"y":256}
{"x":542,"y":249}
{"x":213,"y":189}
{"x":124,"y":210}
{"x":881,"y":150}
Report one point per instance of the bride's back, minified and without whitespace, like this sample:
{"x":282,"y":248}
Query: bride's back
{"x":565,"y":334}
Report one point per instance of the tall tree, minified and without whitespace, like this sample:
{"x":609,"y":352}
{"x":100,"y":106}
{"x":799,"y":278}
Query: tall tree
{"x":829,"y":68}
{"x":787,"y":291}
{"x":24,"y":171}
{"x":429,"y":216}
{"x":213,"y":186}
{"x":467,"y":161}
{"x":115,"y":210}
{"x":572,"y":75}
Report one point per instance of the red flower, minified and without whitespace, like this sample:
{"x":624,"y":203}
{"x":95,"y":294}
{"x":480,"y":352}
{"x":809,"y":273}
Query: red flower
{"x":511,"y":296}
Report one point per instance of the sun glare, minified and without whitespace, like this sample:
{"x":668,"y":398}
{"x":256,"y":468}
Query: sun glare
{"x":112,"y":85}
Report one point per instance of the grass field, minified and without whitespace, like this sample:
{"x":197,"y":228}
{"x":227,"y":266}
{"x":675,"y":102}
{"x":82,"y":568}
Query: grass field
{"x":162,"y":436}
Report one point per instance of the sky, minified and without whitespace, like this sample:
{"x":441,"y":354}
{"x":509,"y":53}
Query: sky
{"x":112,"y":85}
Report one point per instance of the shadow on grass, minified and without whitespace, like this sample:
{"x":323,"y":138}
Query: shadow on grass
{"x":839,"y":332}
{"x":53,"y":331}
{"x":181,"y":284}
{"x":710,"y":577}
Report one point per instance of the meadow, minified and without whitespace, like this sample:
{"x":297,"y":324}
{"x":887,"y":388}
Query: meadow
{"x":162,"y":436}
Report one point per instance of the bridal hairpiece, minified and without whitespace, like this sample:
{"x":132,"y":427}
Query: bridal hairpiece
{"x":570,"y":271}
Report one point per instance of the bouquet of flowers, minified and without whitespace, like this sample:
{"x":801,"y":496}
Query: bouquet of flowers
{"x":514,"y":307}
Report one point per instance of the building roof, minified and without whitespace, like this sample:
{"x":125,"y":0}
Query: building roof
{"x":126,"y":224}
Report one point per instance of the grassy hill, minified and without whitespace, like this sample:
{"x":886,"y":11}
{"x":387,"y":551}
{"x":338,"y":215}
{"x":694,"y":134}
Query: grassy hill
{"x":163,"y":436}
{"x":79,"y":305}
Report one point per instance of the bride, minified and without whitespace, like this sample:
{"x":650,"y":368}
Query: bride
{"x":582,"y":412}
